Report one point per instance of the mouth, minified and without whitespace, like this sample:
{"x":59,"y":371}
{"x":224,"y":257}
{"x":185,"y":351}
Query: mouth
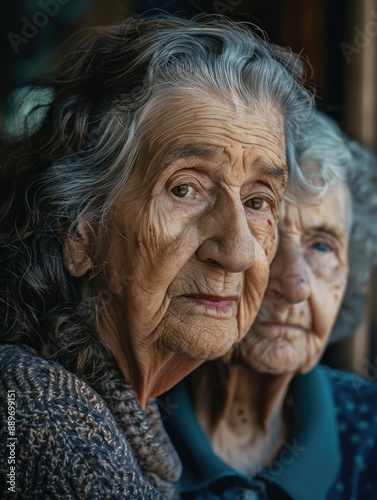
{"x":276,"y":330}
{"x":214,"y":302}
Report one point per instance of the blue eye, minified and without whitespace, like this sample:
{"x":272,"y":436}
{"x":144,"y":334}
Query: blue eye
{"x":320,"y":246}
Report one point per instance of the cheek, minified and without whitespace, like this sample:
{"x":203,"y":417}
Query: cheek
{"x":149,"y":246}
{"x":330,"y":273}
{"x":165,"y":237}
{"x":329,"y":298}
{"x":331,"y":267}
{"x":266,"y":234}
{"x":256,"y":279}
{"x":336,"y":294}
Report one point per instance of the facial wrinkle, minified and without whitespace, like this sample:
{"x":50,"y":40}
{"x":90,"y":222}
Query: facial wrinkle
{"x":205,"y":241}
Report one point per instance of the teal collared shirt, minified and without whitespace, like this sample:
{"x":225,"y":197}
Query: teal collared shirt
{"x":306,"y":467}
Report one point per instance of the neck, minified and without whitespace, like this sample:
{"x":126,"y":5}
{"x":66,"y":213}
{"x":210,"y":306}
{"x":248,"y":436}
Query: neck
{"x":150,"y":370}
{"x":249,"y":426}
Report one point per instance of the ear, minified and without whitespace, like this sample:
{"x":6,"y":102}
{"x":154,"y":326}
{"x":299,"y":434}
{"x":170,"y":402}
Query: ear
{"x":77,"y":250}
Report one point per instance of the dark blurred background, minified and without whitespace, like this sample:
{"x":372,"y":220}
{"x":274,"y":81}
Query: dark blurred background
{"x":337,"y":37}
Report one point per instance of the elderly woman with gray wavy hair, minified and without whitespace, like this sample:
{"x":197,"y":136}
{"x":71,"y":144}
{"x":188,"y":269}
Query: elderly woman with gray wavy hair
{"x":265,"y":420}
{"x":138,"y":222}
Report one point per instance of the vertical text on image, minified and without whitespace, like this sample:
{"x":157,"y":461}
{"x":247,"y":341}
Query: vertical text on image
{"x":11,"y":444}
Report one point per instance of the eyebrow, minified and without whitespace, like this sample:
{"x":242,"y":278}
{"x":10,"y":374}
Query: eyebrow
{"x":275,"y":171}
{"x":325,"y":228}
{"x":187,"y":151}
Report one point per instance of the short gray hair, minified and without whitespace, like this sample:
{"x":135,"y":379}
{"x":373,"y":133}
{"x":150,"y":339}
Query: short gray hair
{"x":362,"y":183}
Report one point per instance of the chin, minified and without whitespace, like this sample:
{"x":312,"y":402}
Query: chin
{"x":274,"y":370}
{"x":281,"y":359}
{"x":201,"y":344}
{"x":203,"y":352}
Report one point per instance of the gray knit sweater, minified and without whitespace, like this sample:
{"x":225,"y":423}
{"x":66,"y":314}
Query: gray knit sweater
{"x":72,"y":440}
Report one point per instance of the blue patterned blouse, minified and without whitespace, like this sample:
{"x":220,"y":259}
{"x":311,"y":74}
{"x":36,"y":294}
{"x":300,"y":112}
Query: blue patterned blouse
{"x":331,"y":452}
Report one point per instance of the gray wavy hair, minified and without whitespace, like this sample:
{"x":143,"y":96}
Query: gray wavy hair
{"x":95,"y":132}
{"x":362,"y":183}
{"x":338,"y":157}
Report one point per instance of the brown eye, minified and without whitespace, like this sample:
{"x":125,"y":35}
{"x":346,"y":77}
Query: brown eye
{"x":257,"y":204}
{"x":184,"y":191}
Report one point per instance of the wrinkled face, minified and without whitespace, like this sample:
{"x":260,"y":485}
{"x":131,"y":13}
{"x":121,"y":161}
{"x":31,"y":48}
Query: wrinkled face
{"x":192,"y":234}
{"x":307,"y":282}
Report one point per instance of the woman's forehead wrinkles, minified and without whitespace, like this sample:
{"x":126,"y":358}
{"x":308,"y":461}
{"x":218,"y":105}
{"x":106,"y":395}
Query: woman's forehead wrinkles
{"x":192,"y":156}
{"x":187,"y":151}
{"x":263,"y":168}
{"x":221,"y":153}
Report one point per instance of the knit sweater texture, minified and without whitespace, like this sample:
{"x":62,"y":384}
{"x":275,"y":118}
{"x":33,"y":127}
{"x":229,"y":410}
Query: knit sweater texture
{"x":75,"y":440}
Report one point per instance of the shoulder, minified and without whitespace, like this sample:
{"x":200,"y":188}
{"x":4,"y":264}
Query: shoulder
{"x":355,"y":400}
{"x":66,"y":440}
{"x":354,"y":396}
{"x":43,"y":383}
{"x":351,"y":387}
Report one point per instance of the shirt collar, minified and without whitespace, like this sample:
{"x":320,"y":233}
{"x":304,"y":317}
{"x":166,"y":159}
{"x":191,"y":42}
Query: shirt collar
{"x":308,"y":463}
{"x":201,"y":465}
{"x":314,"y":439}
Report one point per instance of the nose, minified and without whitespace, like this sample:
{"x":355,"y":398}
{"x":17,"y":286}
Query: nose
{"x":289,"y":279}
{"x":230,"y":242}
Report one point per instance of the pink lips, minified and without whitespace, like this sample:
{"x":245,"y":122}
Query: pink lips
{"x":221,"y":304}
